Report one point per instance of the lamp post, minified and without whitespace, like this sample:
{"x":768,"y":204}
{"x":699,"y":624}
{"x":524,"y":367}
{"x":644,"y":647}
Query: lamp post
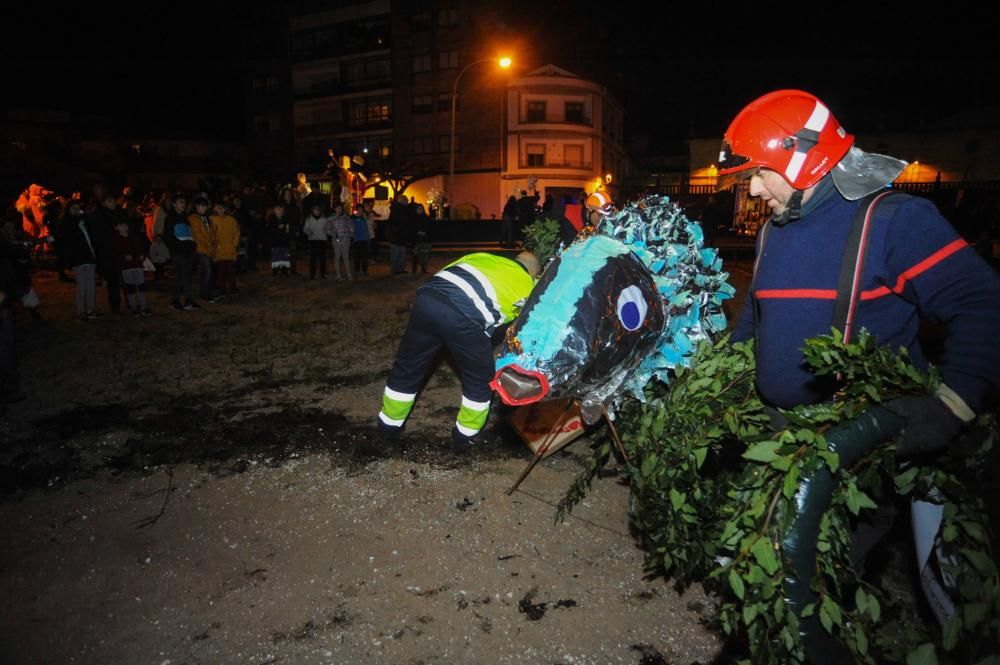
{"x":503,"y":63}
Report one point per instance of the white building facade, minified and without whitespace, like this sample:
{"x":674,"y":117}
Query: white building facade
{"x":563,"y":135}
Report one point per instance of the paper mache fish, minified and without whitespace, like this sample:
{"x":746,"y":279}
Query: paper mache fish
{"x":628,"y":302}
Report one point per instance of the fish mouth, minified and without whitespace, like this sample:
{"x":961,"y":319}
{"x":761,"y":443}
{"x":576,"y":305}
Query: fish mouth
{"x":518,"y":386}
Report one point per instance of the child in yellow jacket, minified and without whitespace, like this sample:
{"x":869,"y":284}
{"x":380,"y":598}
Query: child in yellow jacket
{"x":204,"y":236}
{"x":227,"y":240}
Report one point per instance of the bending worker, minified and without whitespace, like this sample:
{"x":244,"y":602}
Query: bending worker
{"x":459,"y":309}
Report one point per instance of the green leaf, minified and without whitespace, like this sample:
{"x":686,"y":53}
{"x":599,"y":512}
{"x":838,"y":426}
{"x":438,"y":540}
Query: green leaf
{"x":974,"y":530}
{"x":874,"y":609}
{"x":791,"y":484}
{"x":861,"y":600}
{"x":949,"y":637}
{"x":904,"y":481}
{"x":736,"y":584}
{"x":676,"y":499}
{"x":825,"y":618}
{"x":832,"y":459}
{"x":856,"y":499}
{"x":922,"y":655}
{"x":981,"y":561}
{"x":782,"y":463}
{"x":832,"y":608}
{"x":763,"y":552}
{"x":862,"y":639}
{"x":974,"y":613}
{"x":765,"y":451}
{"x":750,"y":611}
{"x":648,"y":465}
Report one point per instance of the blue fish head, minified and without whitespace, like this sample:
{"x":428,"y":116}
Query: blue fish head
{"x":590,"y":320}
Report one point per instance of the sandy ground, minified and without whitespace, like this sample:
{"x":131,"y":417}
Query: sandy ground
{"x":205,"y":487}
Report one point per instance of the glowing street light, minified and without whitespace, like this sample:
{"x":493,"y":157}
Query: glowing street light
{"x":503,"y":63}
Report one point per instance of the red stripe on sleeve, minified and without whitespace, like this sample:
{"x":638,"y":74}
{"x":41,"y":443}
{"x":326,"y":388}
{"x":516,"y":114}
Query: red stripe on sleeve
{"x":928,"y":263}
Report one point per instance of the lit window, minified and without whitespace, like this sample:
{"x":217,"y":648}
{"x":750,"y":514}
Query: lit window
{"x":368,"y":113}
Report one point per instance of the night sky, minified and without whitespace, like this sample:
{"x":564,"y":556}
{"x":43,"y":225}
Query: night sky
{"x":156,"y":69}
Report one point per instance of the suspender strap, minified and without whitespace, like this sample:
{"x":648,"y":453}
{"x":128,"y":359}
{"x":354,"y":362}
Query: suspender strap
{"x":852,"y":266}
{"x":756,"y":304}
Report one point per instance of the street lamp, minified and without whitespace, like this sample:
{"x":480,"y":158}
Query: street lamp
{"x":504,"y":63}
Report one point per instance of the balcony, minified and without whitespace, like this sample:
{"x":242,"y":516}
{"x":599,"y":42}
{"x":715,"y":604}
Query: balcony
{"x":553,"y":119}
{"x":342,"y":127}
{"x":523,"y":165}
{"x":334,"y":88}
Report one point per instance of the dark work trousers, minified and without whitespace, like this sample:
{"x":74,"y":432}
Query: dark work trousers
{"x":360,"y":251}
{"x":252,"y":249}
{"x":292,"y":248}
{"x":317,"y":258}
{"x":113,"y":276}
{"x":205,"y":268}
{"x":225,"y":276}
{"x":435,"y":324}
{"x":184,"y":267}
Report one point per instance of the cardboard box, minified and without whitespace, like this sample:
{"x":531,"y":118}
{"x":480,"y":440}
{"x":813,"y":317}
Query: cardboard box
{"x":550,"y":422}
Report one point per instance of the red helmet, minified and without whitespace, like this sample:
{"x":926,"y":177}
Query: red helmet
{"x":788,"y":131}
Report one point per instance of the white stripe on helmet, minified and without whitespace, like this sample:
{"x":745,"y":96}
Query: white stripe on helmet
{"x":816,"y":122}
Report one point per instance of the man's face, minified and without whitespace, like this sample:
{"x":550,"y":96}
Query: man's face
{"x":200,"y":208}
{"x":772,"y":189}
{"x":180,"y":205}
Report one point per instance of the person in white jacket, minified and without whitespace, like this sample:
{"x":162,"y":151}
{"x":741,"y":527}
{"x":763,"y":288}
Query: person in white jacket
{"x":316,"y":227}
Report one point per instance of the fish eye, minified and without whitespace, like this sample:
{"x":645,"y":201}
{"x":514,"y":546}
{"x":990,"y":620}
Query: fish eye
{"x":632,"y":307}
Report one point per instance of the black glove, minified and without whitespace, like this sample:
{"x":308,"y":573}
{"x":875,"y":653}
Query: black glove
{"x":930,"y":425}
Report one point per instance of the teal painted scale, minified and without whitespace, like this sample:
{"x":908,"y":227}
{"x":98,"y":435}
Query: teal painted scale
{"x":559,"y":301}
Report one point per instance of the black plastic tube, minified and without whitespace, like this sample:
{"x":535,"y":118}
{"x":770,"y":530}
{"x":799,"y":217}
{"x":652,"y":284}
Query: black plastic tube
{"x":850,"y":440}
